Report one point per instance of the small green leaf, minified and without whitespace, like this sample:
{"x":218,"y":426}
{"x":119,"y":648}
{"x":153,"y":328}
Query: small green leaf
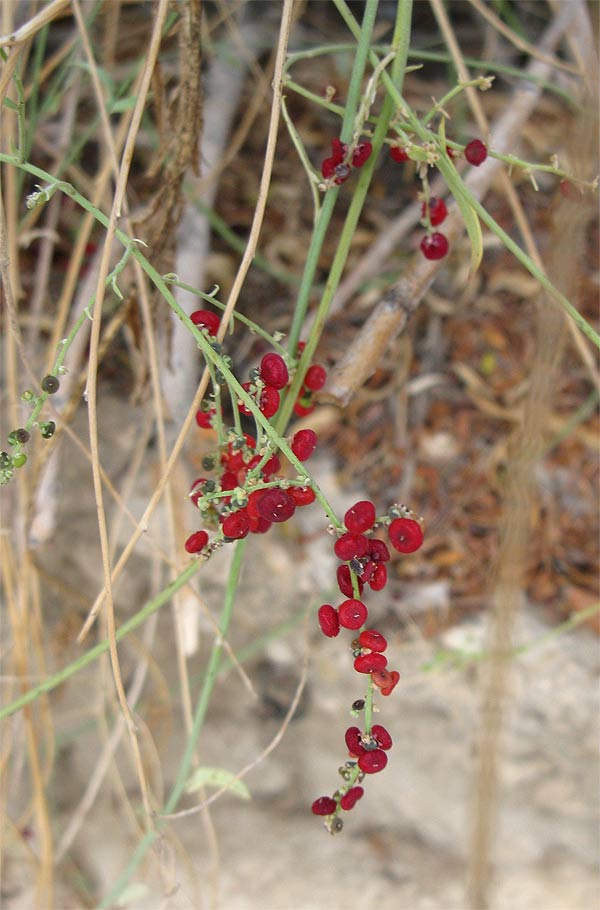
{"x":217,"y":777}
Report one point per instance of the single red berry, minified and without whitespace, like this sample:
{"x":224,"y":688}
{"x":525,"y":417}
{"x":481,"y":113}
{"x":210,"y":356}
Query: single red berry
{"x":269,"y":401}
{"x":353,"y":614}
{"x":398,"y":154}
{"x":378,"y":550}
{"x":302,"y":410}
{"x":361,"y":154}
{"x":302,"y":496}
{"x":381,"y":678}
{"x":329,"y":620}
{"x":381,"y":736}
{"x":350,"y":799}
{"x":476,"y":152}
{"x":273,"y":371}
{"x":228,"y":481}
{"x":366,"y":663}
{"x":344,"y":580}
{"x":236,"y":525}
{"x":252,"y":504}
{"x":303,"y":444}
{"x":371,"y":638}
{"x":406,"y":535}
{"x":324,"y":805}
{"x":206,"y":319}
{"x":360,"y":517}
{"x":437,"y":210}
{"x":276,"y":505}
{"x":204,"y":418}
{"x":372,"y":762}
{"x":258,"y":525}
{"x":353,"y":741}
{"x":196,"y":542}
{"x":315,"y":378}
{"x":395,"y":679}
{"x":271,"y":466}
{"x":434,"y":246}
{"x":351,"y":546}
{"x":378,"y":579}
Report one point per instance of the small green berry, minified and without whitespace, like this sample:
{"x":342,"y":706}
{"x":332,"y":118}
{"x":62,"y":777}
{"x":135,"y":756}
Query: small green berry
{"x":47,"y":429}
{"x":18,"y":437}
{"x":50,"y":384}
{"x":208,"y":462}
{"x":27,"y":395}
{"x":19,"y":460}
{"x":5,"y":460}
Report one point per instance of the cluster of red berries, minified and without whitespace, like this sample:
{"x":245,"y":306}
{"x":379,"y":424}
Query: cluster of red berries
{"x":363,"y":560}
{"x":338,"y":166}
{"x":249,"y":494}
{"x":434,"y":244}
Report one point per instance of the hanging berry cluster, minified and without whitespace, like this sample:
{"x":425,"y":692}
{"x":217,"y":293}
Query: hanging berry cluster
{"x":248,"y":492}
{"x":338,"y":166}
{"x":363,"y":560}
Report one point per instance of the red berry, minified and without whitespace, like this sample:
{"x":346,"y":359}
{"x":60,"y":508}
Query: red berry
{"x":350,"y":799}
{"x":366,"y":663}
{"x":324,"y":805}
{"x":204,"y":418}
{"x":476,"y":152}
{"x":378,"y":550}
{"x":315,"y":378}
{"x":252,"y":504}
{"x":344,"y":581}
{"x":382,"y":737}
{"x":353,"y":614}
{"x":434,"y":246}
{"x":271,"y":466}
{"x":196,"y":542}
{"x":258,"y":525}
{"x":398,"y":154}
{"x":302,"y":496}
{"x":361,"y":154}
{"x":353,"y":741}
{"x":273,"y":371}
{"x":378,"y":579}
{"x":437,"y":210}
{"x":351,"y":546}
{"x":381,"y":678}
{"x":371,"y":638}
{"x":329,"y":620}
{"x":303,"y":444}
{"x":206,"y":319}
{"x":395,"y":679}
{"x":301,"y":410}
{"x":360,"y":517}
{"x":276,"y":505}
{"x":372,"y":762}
{"x":269,"y":401}
{"x":236,"y":525}
{"x":406,"y":535}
